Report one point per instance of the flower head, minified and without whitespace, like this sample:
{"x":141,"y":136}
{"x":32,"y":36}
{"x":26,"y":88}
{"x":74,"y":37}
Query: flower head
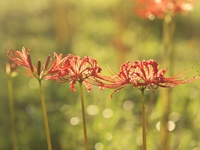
{"x":24,"y":59}
{"x":145,"y":75}
{"x":159,"y":8}
{"x":84,"y":70}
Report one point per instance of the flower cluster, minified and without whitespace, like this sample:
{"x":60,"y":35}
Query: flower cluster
{"x":159,"y":8}
{"x":141,"y":74}
{"x":64,"y":69}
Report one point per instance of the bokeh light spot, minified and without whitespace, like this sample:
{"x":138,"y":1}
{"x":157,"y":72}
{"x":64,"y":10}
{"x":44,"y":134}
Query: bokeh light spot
{"x":187,"y":7}
{"x":174,"y":116}
{"x":92,"y":110}
{"x":64,"y":107}
{"x":107,"y":113}
{"x":74,"y":121}
{"x":171,"y":125}
{"x":128,"y":105}
{"x":157,"y":1}
{"x":129,"y":125}
{"x":193,"y":93}
{"x":98,"y":146}
{"x":30,"y":109}
{"x":108,"y":136}
{"x":151,"y":16}
{"x":158,"y":126}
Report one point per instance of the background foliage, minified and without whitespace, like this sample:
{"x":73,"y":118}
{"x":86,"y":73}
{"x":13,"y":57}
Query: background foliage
{"x":110,"y":32}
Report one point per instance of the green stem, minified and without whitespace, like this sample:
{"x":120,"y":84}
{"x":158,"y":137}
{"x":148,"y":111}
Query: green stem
{"x":12,"y":118}
{"x":168,"y":30}
{"x":45,"y":117}
{"x":83,"y":116}
{"x":164,"y":133}
{"x":143,"y":121}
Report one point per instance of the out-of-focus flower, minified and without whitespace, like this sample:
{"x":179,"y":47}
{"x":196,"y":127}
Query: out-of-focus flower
{"x":84,"y":70}
{"x":11,"y":68}
{"x":41,"y":73}
{"x":159,"y":8}
{"x":146,"y":75}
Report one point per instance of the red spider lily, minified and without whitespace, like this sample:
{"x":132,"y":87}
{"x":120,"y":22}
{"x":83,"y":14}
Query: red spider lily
{"x":84,"y":70}
{"x":24,"y":59}
{"x":159,"y":8}
{"x":145,"y":74}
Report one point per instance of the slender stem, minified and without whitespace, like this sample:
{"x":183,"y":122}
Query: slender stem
{"x":143,"y":121}
{"x":83,"y":116}
{"x":169,"y":54}
{"x":164,"y":133}
{"x":12,"y":118}
{"x":45,"y":117}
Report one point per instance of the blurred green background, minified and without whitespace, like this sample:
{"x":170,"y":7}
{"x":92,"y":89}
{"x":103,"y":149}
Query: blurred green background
{"x":110,"y":32}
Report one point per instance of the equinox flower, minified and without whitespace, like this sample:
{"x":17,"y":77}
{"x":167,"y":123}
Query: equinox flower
{"x":148,"y":75}
{"x":159,"y":8}
{"x":40,"y":73}
{"x":145,"y":75}
{"x":24,"y":59}
{"x":84,"y":70}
